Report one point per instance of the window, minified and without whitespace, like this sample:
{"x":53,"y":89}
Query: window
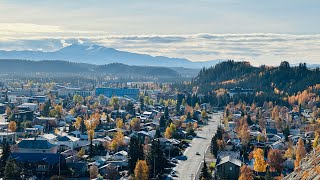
{"x":41,"y":167}
{"x":230,"y":168}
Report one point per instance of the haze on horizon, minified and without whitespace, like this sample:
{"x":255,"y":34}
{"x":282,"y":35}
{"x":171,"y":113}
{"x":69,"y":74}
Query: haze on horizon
{"x":263,"y":33}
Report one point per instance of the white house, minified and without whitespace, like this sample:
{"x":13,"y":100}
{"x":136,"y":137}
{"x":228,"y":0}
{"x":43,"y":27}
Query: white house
{"x":121,"y":155}
{"x":9,"y":137}
{"x":67,"y":142}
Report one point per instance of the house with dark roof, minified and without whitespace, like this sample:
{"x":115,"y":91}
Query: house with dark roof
{"x":228,"y":168}
{"x":35,"y":146}
{"x":40,"y":164}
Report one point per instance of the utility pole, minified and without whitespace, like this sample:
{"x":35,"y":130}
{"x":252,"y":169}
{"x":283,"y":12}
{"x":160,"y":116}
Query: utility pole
{"x":154,"y":166}
{"x":59,"y":164}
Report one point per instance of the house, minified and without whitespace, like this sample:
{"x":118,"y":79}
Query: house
{"x":22,"y":115}
{"x":40,"y":164}
{"x":39,"y":157}
{"x":278,"y":145}
{"x":28,"y":106}
{"x":120,"y":156}
{"x":228,"y":168}
{"x":51,"y":138}
{"x":232,"y":154}
{"x":35,"y":146}
{"x":109,"y":170}
{"x":48,"y":122}
{"x":9,"y":137}
{"x":79,"y":168}
{"x":67,"y":142}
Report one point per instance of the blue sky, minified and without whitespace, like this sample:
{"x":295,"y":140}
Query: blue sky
{"x":274,"y":25}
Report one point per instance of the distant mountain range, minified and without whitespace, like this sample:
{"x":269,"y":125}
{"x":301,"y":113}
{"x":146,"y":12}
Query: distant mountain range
{"x":101,"y":55}
{"x":113,"y":69}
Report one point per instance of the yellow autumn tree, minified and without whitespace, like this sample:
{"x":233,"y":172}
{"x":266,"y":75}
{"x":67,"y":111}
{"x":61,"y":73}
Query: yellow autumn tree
{"x":260,"y":164}
{"x":315,"y":141}
{"x":81,"y":152}
{"x":72,"y":111}
{"x":77,"y":124}
{"x":300,"y":153}
{"x":135,"y":124}
{"x":119,"y":123}
{"x":90,"y":134}
{"x":245,"y":173}
{"x":141,"y":171}
{"x":12,"y":126}
{"x":168,"y":133}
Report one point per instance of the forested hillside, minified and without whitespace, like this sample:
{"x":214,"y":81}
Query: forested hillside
{"x":51,"y":66}
{"x":283,"y":78}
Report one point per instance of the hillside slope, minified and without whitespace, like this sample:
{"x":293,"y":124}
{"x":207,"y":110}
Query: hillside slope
{"x":230,"y":74}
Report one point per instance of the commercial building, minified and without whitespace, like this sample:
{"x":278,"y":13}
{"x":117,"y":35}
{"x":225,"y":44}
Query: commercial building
{"x":121,"y":92}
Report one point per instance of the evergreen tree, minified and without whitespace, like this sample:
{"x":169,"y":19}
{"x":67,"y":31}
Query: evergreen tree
{"x":46,"y":108}
{"x":156,"y":160}
{"x":162,"y":121}
{"x":166,"y":112}
{"x":204,"y":174}
{"x":12,"y":170}
{"x":157,"y":134}
{"x":214,"y":146}
{"x":4,"y":157}
{"x":135,"y":152}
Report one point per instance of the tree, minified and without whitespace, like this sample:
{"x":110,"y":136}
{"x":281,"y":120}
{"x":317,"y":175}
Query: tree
{"x":81,"y":152}
{"x":12,"y":170}
{"x":315,"y":141}
{"x":275,"y":160}
{"x":135,"y":152}
{"x":300,"y":153}
{"x":245,"y":173}
{"x":260,"y":164}
{"x":46,"y":108}
{"x":78,"y":123}
{"x":158,"y":133}
{"x":77,"y":99}
{"x":112,"y":172}
{"x":8,"y":111}
{"x":4,"y":156}
{"x":168,"y":133}
{"x":204,"y":174}
{"x":141,"y":171}
{"x":135,"y":124}
{"x":119,"y":123}
{"x":94,"y":171}
{"x":114,"y":102}
{"x":155,"y":159}
{"x":12,"y":126}
{"x":162,"y":121}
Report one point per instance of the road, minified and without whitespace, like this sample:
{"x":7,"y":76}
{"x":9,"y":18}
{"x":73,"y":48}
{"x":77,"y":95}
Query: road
{"x":188,"y":169}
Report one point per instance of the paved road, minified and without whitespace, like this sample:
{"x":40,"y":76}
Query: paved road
{"x":188,"y":169}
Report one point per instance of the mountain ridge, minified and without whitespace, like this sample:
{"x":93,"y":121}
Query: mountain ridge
{"x":101,"y":55}
{"x":58,"y":66}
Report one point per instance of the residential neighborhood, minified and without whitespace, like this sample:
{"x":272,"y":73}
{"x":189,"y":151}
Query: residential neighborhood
{"x":52,"y":130}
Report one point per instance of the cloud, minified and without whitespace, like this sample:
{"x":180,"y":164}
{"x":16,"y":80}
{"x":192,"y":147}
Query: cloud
{"x":258,"y":48}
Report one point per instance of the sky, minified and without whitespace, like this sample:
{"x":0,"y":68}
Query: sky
{"x":262,"y":32}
